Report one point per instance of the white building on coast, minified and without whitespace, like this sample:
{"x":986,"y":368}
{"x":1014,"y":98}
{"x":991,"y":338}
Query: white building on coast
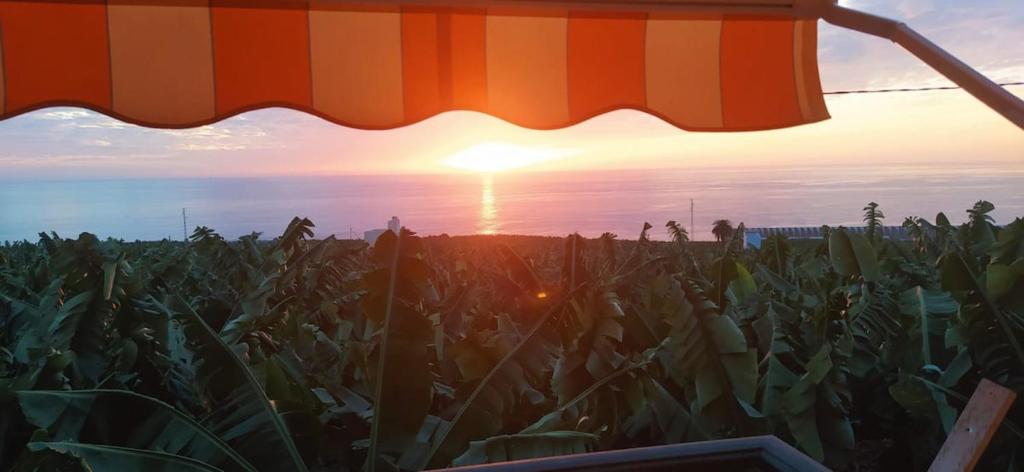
{"x":753,"y":237}
{"x":394,"y":225}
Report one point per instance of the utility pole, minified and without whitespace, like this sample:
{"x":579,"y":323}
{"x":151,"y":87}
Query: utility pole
{"x":693,"y":236}
{"x":184,"y":226}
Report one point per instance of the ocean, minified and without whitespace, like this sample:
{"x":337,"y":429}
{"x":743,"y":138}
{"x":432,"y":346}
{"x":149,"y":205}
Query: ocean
{"x":556,"y":204}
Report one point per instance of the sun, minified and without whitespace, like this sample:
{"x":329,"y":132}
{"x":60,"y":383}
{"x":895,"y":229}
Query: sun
{"x":492,"y":157}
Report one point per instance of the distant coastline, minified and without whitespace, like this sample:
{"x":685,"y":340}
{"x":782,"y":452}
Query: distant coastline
{"x":544,"y":204}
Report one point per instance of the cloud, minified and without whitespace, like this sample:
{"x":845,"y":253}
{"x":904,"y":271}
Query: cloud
{"x":914,"y":8}
{"x":500,"y":156}
{"x":979,"y":33}
{"x":202,"y":132}
{"x":61,"y":115}
{"x":228,"y":136}
{"x":101,"y":122}
{"x":209,"y":147}
{"x":43,"y":161}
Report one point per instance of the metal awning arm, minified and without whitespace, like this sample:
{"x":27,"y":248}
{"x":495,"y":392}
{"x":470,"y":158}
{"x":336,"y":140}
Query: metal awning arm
{"x":989,"y":92}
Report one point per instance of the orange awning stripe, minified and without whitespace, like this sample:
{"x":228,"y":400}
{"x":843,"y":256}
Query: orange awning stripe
{"x":184,"y":63}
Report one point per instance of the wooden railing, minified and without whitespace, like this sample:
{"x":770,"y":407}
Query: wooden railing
{"x":961,"y":451}
{"x":758,"y":453}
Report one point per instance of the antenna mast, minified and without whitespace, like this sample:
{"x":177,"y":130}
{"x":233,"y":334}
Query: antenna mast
{"x":184,"y":226}
{"x":693,"y":236}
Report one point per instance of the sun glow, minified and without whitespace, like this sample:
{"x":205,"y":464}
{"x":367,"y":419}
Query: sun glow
{"x":488,"y":211}
{"x":494,"y":157}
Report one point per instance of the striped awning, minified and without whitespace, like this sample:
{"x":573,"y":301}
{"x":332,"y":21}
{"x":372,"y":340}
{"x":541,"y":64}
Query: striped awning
{"x":184,"y":63}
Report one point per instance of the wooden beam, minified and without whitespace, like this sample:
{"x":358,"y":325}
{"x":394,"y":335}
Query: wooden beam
{"x":974,"y":429}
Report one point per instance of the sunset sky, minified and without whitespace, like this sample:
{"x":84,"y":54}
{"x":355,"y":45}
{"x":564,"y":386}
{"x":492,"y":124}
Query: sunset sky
{"x":920,"y":127}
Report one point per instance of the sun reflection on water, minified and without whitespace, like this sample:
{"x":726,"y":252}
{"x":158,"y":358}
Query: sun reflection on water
{"x":488,"y":223}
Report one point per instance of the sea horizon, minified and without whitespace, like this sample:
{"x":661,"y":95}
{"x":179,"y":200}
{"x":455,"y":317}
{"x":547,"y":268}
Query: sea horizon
{"x":530,"y":203}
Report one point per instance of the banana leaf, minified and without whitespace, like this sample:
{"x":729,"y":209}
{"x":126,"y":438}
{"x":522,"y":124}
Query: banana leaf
{"x":126,"y":419}
{"x":104,"y":458}
{"x":526,"y":446}
{"x":403,"y":379}
{"x":242,"y":415}
{"x":853,"y":255}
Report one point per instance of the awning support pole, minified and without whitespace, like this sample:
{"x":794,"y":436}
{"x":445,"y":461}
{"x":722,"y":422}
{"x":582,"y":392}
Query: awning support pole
{"x":990,"y":93}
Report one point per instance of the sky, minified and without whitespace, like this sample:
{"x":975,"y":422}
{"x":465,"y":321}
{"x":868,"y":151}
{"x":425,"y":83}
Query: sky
{"x":928,"y":128}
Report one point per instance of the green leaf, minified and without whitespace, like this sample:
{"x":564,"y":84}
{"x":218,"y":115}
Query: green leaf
{"x":923,"y":400}
{"x":126,"y":419}
{"x":955,"y":273}
{"x":726,"y":336}
{"x":867,"y":261}
{"x":403,"y":381}
{"x":241,"y":414}
{"x":406,"y":383}
{"x":795,"y":399}
{"x":840,"y":251}
{"x":743,"y":286}
{"x":933,"y":309}
{"x":104,"y":458}
{"x":520,"y":272}
{"x":914,"y":396}
{"x":109,"y":273}
{"x":957,"y":368}
{"x":555,"y":420}
{"x":480,"y":412}
{"x":706,"y":351}
{"x":853,"y":255}
{"x":526,"y":446}
{"x":1000,"y":279}
{"x":731,"y":276}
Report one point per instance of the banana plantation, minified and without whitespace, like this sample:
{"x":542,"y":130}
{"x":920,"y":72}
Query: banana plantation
{"x":298,"y":353}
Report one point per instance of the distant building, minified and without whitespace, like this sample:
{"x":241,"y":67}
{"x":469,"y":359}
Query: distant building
{"x":754,"y":237}
{"x":371,"y":236}
{"x":394,"y":225}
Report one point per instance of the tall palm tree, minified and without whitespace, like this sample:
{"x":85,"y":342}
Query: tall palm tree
{"x":678,"y":233}
{"x":722,"y":229}
{"x":873,"y":218}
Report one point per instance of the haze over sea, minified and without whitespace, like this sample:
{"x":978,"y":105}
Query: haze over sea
{"x":554,"y":203}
